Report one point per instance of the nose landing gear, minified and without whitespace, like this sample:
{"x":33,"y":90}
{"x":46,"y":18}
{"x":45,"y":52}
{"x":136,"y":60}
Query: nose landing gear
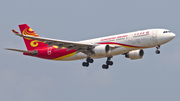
{"x":157,"y":51}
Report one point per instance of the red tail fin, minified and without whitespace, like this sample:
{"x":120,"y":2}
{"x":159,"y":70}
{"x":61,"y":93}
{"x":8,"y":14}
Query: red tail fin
{"x":30,"y":44}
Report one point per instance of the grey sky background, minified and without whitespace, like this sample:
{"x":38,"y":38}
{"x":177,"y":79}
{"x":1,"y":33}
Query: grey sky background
{"x":153,"y":78}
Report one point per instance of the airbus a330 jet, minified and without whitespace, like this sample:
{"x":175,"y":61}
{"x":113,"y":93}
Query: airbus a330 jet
{"x":129,"y":44}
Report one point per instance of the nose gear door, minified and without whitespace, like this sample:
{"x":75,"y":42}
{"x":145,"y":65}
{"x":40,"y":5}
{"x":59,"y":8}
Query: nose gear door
{"x":154,"y":33}
{"x":153,"y":40}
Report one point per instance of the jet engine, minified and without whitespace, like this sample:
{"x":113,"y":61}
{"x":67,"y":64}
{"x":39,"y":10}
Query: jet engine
{"x":136,"y":54}
{"x":102,"y":50}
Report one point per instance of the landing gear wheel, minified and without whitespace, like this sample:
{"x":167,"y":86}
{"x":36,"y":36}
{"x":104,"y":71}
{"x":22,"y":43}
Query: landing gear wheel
{"x":85,"y":64}
{"x":89,"y":60}
{"x":109,"y":63}
{"x":157,"y":52}
{"x":105,"y":66}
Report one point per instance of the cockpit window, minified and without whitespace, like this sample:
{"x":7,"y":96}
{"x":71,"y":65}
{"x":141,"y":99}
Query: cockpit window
{"x":167,"y":32}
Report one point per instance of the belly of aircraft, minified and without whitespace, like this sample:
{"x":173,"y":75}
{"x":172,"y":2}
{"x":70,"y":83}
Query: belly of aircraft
{"x":81,"y":55}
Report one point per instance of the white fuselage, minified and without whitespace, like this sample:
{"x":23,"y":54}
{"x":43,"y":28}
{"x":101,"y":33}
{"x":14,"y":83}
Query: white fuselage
{"x":128,"y":42}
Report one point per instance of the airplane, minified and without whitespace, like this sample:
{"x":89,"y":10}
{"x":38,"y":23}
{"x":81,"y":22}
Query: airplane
{"x":129,"y":44}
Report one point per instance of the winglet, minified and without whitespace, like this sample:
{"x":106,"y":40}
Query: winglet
{"x":15,"y":32}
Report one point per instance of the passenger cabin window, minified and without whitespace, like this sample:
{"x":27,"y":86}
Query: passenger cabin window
{"x":167,"y":32}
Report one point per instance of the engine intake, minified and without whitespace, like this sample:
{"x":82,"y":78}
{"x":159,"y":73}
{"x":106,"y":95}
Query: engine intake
{"x":102,"y":50}
{"x":136,"y":54}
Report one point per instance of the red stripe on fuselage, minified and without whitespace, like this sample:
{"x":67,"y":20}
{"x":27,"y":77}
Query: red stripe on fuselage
{"x":121,"y":44}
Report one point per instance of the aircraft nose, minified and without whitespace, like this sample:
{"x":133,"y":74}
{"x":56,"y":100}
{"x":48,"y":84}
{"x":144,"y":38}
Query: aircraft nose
{"x":166,"y":38}
{"x":171,"y":36}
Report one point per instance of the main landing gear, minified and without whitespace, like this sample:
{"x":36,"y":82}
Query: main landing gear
{"x":157,"y":51}
{"x":104,"y":66}
{"x":108,"y":63}
{"x":88,"y":60}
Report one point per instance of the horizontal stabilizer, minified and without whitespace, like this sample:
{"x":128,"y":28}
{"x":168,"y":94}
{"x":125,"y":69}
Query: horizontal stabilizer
{"x":17,"y":50}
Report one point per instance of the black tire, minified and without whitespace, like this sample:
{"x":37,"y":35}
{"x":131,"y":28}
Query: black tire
{"x":109,"y":63}
{"x":85,"y":64}
{"x":90,"y":60}
{"x":105,"y":66}
{"x":157,"y":52}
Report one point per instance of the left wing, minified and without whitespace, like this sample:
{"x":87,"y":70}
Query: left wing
{"x":80,"y":47}
{"x":60,"y":43}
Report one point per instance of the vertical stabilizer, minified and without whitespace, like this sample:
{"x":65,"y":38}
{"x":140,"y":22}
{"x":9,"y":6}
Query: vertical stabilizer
{"x":30,"y":44}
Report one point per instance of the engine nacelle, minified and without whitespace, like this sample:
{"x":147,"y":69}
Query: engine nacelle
{"x":102,"y":50}
{"x":136,"y":54}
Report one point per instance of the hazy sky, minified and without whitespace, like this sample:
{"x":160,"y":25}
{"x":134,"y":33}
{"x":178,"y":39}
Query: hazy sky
{"x":153,"y":78}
